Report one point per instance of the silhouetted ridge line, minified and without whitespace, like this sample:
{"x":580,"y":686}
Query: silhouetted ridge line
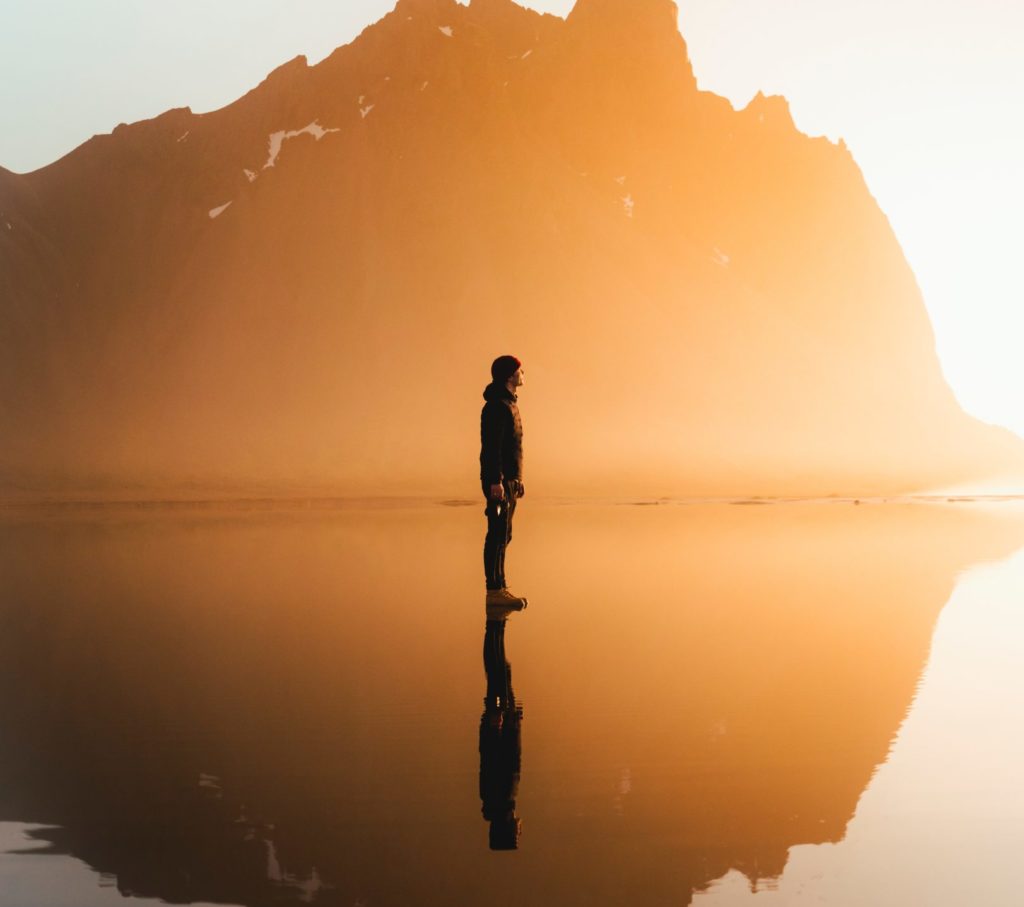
{"x":714,"y":302}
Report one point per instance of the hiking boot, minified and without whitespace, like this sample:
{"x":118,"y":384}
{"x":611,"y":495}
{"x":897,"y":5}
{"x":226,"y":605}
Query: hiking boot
{"x":500,"y":602}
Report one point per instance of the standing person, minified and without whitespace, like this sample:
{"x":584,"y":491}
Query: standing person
{"x":501,"y":473}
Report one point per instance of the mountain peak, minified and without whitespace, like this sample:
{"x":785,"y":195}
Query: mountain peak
{"x":661,"y":13}
{"x":496,"y":4}
{"x":772,"y":108}
{"x":632,"y":41}
{"x":504,"y":13}
{"x":425,"y":7}
{"x":165,"y":289}
{"x":286,"y":72}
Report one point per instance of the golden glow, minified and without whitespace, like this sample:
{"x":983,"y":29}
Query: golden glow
{"x":709,"y":302}
{"x":706,"y":690}
{"x":924,"y":95}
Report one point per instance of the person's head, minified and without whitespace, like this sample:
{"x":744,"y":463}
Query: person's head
{"x":507,"y":370}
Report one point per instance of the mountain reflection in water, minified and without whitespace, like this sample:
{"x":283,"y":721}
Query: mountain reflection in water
{"x":272,"y":707}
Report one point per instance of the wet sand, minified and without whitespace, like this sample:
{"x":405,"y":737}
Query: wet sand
{"x":271,"y":705}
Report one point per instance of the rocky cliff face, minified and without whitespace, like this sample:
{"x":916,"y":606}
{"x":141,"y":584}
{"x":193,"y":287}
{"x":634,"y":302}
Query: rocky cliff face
{"x":306,"y":287}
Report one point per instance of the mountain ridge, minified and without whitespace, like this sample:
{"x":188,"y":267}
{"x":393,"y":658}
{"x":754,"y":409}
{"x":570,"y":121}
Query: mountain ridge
{"x":192,"y":296}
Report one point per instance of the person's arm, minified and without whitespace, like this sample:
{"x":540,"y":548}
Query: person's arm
{"x":492,"y":434}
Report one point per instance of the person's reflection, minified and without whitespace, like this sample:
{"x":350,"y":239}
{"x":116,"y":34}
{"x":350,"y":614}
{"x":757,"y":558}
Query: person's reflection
{"x":500,"y":742}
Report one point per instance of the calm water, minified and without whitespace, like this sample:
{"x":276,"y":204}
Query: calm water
{"x":716,"y":705}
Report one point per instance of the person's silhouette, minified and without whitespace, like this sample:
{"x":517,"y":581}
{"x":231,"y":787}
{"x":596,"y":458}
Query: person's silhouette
{"x":500,"y":743}
{"x":501,"y":473}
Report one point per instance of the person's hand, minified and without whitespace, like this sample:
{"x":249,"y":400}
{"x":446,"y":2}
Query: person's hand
{"x":498,"y":492}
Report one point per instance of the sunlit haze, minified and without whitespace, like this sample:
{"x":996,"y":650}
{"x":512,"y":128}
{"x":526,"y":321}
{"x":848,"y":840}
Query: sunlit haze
{"x":925,"y":94}
{"x":301,"y":303}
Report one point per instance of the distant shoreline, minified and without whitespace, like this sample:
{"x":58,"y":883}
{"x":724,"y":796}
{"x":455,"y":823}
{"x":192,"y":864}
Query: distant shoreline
{"x":382,"y":502}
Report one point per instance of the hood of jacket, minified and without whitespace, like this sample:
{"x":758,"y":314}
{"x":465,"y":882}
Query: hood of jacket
{"x":498,"y":392}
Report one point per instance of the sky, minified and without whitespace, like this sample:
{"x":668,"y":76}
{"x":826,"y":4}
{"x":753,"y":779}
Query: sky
{"x":926,"y":93}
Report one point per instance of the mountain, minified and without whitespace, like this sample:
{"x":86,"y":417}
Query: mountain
{"x":305,"y":288}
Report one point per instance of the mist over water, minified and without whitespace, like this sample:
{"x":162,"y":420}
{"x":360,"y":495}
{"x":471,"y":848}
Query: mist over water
{"x":288,"y":706}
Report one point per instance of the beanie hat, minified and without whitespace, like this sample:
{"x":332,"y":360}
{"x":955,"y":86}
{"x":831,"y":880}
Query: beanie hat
{"x":503,"y":368}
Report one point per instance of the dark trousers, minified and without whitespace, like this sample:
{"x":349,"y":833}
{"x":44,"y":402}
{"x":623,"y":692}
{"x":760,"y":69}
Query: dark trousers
{"x":499,"y":534}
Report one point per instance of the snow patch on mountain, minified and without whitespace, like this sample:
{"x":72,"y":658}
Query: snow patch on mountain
{"x":446,"y":30}
{"x":277,"y":139}
{"x":185,"y":136}
{"x":628,"y":204}
{"x":217,"y":212}
{"x":719,"y":257}
{"x":363,"y":111}
{"x":250,"y":175}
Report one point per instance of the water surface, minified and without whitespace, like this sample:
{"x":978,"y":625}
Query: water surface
{"x":810,"y":702}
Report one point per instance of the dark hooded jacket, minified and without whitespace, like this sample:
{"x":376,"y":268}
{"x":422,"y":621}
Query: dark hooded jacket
{"x":501,"y":437}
